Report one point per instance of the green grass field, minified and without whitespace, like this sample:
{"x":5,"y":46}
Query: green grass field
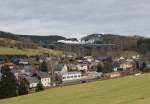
{"x":127,"y":90}
{"x":28,"y":52}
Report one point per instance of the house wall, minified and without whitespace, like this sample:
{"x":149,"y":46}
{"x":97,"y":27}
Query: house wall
{"x":82,"y":67}
{"x":114,"y":75}
{"x":71,"y":77}
{"x":46,"y":82}
{"x":11,"y":67}
{"x":33,"y":85}
{"x":126,"y":66}
{"x":23,"y":62}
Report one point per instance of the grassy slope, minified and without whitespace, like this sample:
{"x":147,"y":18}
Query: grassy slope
{"x":28,"y":52}
{"x":127,"y":90}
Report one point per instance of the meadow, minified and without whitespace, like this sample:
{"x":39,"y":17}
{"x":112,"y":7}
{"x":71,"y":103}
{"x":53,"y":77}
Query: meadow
{"x":28,"y":51}
{"x":126,"y":90}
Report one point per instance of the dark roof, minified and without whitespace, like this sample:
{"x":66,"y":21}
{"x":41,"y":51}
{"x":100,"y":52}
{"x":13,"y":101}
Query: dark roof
{"x":72,"y":66}
{"x":16,"y":71}
{"x":59,"y":67}
{"x":28,"y":67}
{"x":102,"y":58}
{"x":43,"y":75}
{"x":31,"y":79}
{"x":116,"y":63}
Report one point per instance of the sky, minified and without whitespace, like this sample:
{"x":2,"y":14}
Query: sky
{"x":75,"y":18}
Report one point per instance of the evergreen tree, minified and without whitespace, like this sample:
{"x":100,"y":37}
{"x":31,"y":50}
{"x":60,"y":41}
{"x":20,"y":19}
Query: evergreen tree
{"x":99,"y":67}
{"x":137,"y":65}
{"x":39,"y":87}
{"x":144,"y":65}
{"x":37,"y":58}
{"x":107,"y":67}
{"x":8,"y":85}
{"x":44,"y":67}
{"x":22,"y":89}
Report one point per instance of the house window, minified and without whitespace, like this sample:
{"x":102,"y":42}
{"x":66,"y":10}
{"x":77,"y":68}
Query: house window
{"x":75,"y":76}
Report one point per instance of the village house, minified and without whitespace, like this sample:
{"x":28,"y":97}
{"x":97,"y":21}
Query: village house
{"x":69,"y":77}
{"x":82,"y":67}
{"x":61,"y":68}
{"x":23,"y":61}
{"x":31,"y":81}
{"x":67,"y":73}
{"x":103,"y":58}
{"x":29,"y":69}
{"x":45,"y":78}
{"x":93,"y":66}
{"x":22,"y":71}
{"x":116,"y":66}
{"x":80,"y":59}
{"x":9,"y":64}
{"x":121,"y":58}
{"x":127,"y":65}
{"x":89,"y":58}
{"x":72,"y":67}
{"x":136,"y":57}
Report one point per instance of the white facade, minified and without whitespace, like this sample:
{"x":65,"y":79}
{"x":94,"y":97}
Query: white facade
{"x":71,"y":76}
{"x":33,"y":85}
{"x":24,"y":62}
{"x":11,"y":67}
{"x":64,"y":68}
{"x":82,"y":67}
{"x":46,"y":82}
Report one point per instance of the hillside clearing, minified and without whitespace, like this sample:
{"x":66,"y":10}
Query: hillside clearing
{"x":127,"y":90}
{"x":28,"y":52}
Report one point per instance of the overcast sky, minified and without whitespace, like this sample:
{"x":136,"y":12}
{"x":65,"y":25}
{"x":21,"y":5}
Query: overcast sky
{"x":75,"y":18}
